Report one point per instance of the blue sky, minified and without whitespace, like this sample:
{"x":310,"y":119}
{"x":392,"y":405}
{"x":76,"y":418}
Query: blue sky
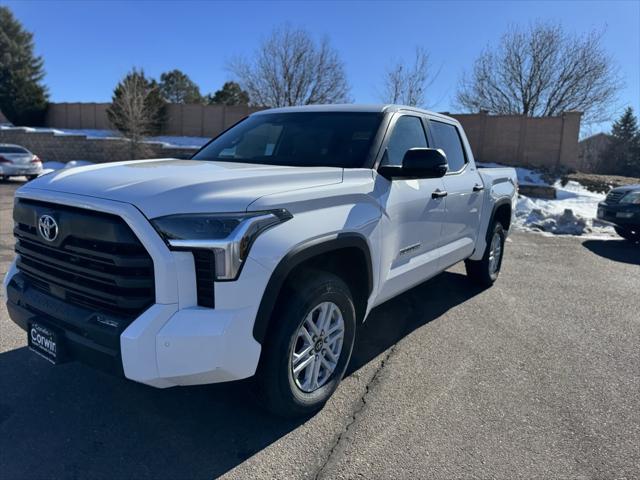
{"x":88,"y":46}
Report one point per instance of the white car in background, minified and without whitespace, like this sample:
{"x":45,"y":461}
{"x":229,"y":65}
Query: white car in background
{"x":17,"y":161}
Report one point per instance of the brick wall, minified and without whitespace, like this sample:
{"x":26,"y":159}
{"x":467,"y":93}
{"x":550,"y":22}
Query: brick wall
{"x":549,"y":142}
{"x":63,"y":148}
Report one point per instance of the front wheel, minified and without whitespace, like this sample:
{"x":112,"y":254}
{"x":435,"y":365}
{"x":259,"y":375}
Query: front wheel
{"x":631,"y":234}
{"x":309,"y":345}
{"x":485,"y":272}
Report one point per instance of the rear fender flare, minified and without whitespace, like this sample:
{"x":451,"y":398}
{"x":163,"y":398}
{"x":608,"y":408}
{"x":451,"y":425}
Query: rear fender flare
{"x":482,"y":240}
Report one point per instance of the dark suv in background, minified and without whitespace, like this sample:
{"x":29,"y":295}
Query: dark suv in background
{"x":622,"y":209}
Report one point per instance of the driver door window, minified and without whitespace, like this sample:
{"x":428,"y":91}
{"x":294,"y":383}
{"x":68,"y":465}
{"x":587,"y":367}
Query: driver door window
{"x":407,"y":133}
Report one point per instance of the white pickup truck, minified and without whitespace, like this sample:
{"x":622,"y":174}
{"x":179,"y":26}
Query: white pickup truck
{"x":257,"y":257}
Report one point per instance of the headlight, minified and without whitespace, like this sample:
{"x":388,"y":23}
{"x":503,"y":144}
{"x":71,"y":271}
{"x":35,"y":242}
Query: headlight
{"x":631,"y":197}
{"x":228,"y":235}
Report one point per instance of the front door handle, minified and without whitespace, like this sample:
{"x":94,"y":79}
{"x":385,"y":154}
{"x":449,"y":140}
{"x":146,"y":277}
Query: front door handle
{"x":478,"y":188}
{"x":439,"y":194}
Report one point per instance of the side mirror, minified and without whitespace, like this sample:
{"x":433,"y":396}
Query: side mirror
{"x":418,"y":163}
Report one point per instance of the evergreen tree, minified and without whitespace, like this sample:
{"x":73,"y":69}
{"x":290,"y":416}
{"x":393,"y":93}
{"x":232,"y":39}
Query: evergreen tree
{"x":229,"y":94}
{"x":23,"y":97}
{"x":177,"y":87}
{"x":623,"y":155}
{"x":137,"y":108}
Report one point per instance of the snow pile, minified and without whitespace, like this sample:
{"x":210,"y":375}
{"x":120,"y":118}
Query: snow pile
{"x":572,"y":212}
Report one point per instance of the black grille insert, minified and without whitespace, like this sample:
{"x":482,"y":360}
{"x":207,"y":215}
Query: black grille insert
{"x":96,"y":261}
{"x":204,"y":263}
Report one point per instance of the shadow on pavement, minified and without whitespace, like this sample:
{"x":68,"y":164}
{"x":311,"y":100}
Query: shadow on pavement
{"x":617,"y":250}
{"x":70,"y":421}
{"x":392,"y":321}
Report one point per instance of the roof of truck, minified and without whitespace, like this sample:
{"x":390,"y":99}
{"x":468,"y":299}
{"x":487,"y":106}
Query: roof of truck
{"x":352,"y":107}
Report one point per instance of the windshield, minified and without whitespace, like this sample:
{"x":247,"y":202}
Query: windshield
{"x":310,"y":139}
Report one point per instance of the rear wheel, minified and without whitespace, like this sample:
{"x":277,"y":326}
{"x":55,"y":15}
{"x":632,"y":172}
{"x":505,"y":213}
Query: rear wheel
{"x":309,"y":345}
{"x":632,"y":234}
{"x":485,"y":272}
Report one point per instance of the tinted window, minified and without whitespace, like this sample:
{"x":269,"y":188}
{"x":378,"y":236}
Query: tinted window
{"x":408,"y":133}
{"x":446,"y":137}
{"x":332,"y":139}
{"x":6,"y":149}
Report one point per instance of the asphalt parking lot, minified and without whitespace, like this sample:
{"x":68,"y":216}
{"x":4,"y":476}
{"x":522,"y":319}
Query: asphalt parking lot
{"x":537,"y":377}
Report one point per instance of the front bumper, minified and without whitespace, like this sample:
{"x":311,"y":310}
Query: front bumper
{"x":174,"y":342}
{"x":619,"y":214}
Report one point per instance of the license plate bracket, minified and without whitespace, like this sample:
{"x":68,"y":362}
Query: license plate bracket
{"x":45,"y":341}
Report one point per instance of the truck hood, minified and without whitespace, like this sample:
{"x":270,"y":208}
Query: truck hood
{"x":168,"y":186}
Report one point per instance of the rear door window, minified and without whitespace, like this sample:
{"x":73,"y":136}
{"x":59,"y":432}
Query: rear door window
{"x":447,"y":138}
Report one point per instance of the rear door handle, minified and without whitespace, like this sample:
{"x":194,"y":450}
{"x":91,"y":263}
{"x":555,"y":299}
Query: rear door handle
{"x":439,"y":194}
{"x":478,"y":188}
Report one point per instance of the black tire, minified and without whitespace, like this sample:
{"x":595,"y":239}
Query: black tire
{"x":480,"y":271}
{"x":276,"y":388}
{"x":31,"y":177}
{"x":631,"y":234}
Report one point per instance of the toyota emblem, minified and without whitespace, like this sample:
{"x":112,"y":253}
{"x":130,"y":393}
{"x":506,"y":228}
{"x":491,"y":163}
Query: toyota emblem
{"x":48,"y":228}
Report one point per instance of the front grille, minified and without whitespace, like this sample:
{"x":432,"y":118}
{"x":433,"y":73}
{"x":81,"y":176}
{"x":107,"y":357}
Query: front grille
{"x":204,"y":263}
{"x":614,"y":197}
{"x":96,"y":261}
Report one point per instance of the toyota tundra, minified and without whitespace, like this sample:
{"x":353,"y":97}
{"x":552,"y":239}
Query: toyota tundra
{"x":259,"y":256}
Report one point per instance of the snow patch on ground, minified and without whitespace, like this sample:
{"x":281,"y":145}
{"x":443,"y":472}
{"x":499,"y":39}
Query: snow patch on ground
{"x":164,"y":140}
{"x":185,"y":142}
{"x":573,"y":212}
{"x":526,"y":176}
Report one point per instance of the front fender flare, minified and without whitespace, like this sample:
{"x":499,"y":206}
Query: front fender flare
{"x":295,"y":257}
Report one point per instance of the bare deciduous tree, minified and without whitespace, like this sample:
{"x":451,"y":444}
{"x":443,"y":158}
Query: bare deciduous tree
{"x":407,"y":84}
{"x":289,"y":68}
{"x":137,"y":109}
{"x":543,"y":71}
